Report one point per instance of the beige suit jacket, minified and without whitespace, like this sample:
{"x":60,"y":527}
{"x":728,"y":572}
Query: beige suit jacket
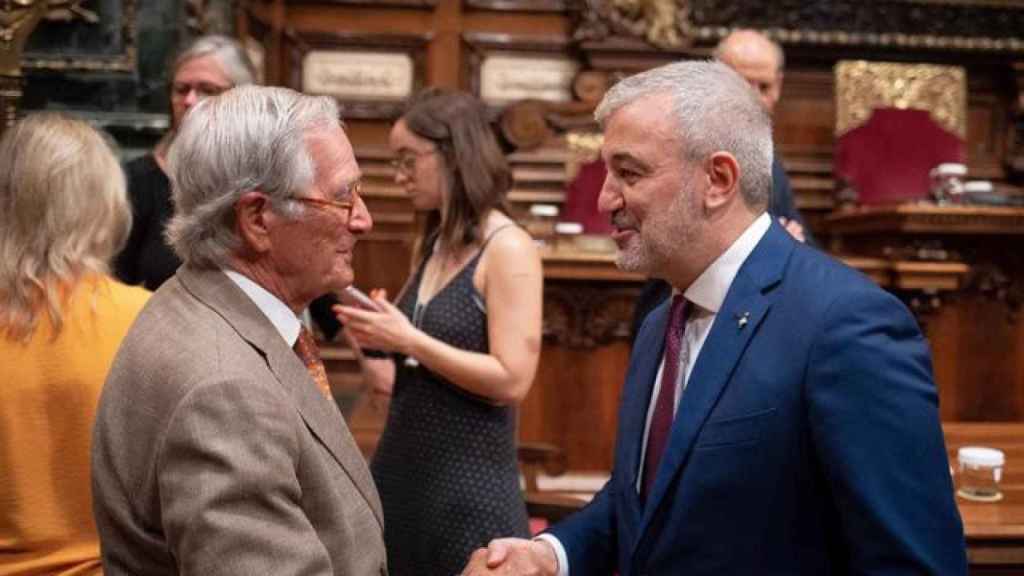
{"x":214,"y":452}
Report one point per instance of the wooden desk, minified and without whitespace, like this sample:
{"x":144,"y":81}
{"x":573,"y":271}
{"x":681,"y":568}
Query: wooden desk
{"x":995,"y":531}
{"x":960,"y":271}
{"x":588,"y":310}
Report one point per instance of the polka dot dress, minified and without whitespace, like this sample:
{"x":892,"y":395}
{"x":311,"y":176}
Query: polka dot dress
{"x":446,"y":464}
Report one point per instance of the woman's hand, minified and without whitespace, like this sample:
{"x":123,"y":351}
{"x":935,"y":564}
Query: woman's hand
{"x":385,"y":329}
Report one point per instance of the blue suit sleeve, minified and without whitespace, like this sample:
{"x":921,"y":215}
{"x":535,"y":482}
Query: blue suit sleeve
{"x":781,"y":202}
{"x":873,"y":410}
{"x":589,"y":536}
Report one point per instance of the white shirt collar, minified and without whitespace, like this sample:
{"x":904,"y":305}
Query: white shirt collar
{"x":709,"y":289}
{"x":280,"y":315}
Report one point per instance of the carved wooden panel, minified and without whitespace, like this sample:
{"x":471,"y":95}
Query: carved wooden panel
{"x":586,"y":315}
{"x":300,"y":44}
{"x":948,"y":25}
{"x":963,"y":25}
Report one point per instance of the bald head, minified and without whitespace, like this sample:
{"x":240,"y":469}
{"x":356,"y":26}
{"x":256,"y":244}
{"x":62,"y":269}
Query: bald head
{"x":758,"y":59}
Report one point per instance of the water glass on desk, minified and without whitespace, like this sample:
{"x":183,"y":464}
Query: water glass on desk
{"x":541,"y":223}
{"x":980,"y":470}
{"x":947,"y":183}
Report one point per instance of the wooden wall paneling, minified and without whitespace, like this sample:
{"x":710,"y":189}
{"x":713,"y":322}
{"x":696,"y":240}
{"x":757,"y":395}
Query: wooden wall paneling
{"x":803,"y":128}
{"x":263,"y":20}
{"x":574,"y":400}
{"x":446,"y":49}
{"x":990,"y":97}
{"x":539,"y":177}
{"x":574,"y":403}
{"x":256,"y":35}
{"x":805,"y":117}
{"x":383,"y":258}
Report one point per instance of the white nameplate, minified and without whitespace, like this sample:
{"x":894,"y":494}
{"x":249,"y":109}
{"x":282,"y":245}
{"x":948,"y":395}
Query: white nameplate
{"x":358,"y":75}
{"x":507,"y":78}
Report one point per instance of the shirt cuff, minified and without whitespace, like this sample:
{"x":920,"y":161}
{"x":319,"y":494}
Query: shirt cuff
{"x":563,"y":560}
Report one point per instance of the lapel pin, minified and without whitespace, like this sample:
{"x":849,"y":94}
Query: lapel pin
{"x":742,"y":319}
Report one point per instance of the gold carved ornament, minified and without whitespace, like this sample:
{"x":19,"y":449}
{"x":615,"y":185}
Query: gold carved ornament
{"x":863,"y":86}
{"x":656,"y":20}
{"x":18,"y":18}
{"x":583,"y":147}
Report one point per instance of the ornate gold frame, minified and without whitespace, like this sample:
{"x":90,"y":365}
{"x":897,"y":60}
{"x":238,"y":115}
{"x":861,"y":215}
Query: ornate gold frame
{"x":862,"y":86}
{"x":124,"y":62}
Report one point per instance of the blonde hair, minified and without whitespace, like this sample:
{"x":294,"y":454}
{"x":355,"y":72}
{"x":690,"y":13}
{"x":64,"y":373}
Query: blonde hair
{"x":63,"y":215}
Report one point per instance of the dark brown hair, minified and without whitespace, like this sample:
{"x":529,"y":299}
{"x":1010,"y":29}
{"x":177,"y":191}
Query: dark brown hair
{"x":478,"y":174}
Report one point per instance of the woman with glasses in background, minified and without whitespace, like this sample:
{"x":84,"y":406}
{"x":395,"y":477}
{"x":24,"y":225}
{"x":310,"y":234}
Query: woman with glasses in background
{"x":63,"y":215}
{"x":208,"y":66}
{"x":465,"y":337}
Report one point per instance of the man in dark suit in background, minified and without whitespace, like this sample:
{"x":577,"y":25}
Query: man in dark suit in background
{"x":779,"y":414}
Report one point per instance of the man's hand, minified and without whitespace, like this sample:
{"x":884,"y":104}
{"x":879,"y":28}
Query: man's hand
{"x":513,"y":556}
{"x":794,"y":228}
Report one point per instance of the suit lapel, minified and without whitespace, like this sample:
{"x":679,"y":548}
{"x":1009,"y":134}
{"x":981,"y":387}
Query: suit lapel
{"x":325,"y":421}
{"x":321,"y":415}
{"x":746,"y":304}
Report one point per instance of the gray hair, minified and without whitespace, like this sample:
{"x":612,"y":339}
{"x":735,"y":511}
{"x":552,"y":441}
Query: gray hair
{"x":715,"y":110}
{"x":63,"y":214}
{"x":248,"y":138}
{"x":228,"y":53}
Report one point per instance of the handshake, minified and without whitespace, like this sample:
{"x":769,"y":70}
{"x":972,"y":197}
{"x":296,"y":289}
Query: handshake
{"x":513,"y":556}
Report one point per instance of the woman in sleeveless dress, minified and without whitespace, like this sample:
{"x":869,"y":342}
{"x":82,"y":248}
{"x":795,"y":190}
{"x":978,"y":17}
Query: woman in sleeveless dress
{"x":464,"y":339}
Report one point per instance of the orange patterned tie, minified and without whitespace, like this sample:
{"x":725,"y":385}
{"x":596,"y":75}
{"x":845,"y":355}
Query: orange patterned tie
{"x":306,"y":348}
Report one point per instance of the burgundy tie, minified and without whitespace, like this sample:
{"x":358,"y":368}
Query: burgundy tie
{"x":661,"y":420}
{"x":309,"y":353}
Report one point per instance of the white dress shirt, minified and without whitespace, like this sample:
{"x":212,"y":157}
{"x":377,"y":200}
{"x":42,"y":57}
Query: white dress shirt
{"x":704,"y":299}
{"x":280,"y":315}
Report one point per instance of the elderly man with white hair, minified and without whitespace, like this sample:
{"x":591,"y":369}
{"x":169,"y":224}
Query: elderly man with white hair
{"x":217,"y":449}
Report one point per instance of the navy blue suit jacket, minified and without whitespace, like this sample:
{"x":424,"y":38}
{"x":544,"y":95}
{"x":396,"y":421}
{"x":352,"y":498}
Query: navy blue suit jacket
{"x":807,"y":440}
